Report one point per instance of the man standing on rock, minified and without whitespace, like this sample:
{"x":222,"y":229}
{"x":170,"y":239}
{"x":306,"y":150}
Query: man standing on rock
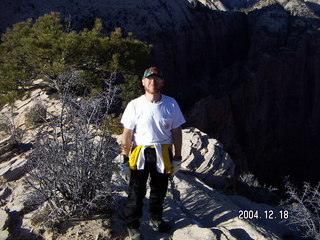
{"x":152,"y":124}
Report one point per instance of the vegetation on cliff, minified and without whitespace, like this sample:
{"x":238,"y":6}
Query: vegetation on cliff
{"x":47,"y":48}
{"x":71,"y":164}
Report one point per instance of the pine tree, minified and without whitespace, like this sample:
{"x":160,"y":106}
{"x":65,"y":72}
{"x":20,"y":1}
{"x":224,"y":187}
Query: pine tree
{"x":46,"y":48}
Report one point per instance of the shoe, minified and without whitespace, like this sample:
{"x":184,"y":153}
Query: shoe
{"x":159,"y":225}
{"x":134,"y":233}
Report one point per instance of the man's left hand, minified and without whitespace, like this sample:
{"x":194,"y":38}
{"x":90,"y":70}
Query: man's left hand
{"x":176,"y":164}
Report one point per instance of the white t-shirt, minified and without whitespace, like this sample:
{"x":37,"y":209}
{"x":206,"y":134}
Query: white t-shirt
{"x":152,"y":122}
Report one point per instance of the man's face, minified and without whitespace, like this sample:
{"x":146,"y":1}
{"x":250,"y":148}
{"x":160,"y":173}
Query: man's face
{"x":152,"y":84}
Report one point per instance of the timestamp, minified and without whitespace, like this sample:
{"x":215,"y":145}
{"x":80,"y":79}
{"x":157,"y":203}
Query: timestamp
{"x":265,"y":214}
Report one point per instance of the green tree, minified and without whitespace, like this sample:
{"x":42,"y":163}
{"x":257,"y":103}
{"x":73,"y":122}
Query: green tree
{"x":46,"y":48}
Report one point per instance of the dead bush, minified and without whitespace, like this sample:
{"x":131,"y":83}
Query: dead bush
{"x":304,"y":208}
{"x":71,"y":164}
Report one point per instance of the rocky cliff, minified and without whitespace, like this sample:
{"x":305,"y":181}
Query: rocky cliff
{"x":245,"y":71}
{"x":265,"y":109}
{"x":194,"y":209}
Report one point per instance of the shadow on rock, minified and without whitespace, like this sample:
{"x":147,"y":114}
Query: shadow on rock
{"x":16,"y":231}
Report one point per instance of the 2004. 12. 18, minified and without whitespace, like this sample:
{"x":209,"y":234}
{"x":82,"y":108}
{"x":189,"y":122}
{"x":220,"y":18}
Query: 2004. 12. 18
{"x":265,"y":214}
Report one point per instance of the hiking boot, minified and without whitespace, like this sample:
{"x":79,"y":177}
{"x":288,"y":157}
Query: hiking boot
{"x":134,"y":233}
{"x":159,"y":225}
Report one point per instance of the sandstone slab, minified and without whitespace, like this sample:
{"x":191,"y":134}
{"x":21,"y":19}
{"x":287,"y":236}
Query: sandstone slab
{"x":13,"y":169}
{"x":3,"y":219}
{"x":194,"y":232}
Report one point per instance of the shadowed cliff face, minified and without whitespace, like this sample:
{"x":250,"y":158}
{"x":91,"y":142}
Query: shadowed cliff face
{"x":249,"y":80}
{"x":194,"y":55}
{"x":266,"y":111}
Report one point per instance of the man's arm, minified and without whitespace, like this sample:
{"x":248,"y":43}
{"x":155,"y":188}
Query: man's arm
{"x":177,"y":141}
{"x":126,"y":141}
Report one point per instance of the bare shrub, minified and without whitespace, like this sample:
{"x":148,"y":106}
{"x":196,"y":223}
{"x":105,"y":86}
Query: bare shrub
{"x":249,"y":179}
{"x":8,"y":126}
{"x":248,"y":185}
{"x":36,"y":115}
{"x":304,"y":208}
{"x":72,"y":158}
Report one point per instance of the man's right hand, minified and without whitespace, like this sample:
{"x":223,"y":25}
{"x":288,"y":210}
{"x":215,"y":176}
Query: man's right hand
{"x":124,"y":160}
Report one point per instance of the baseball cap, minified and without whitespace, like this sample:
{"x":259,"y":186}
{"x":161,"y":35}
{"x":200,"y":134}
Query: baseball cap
{"x":152,"y":71}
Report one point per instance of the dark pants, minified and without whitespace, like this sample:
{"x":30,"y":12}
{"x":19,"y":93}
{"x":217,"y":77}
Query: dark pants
{"x":137,"y":191}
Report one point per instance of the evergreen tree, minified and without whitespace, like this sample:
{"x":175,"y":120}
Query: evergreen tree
{"x":46,"y":48}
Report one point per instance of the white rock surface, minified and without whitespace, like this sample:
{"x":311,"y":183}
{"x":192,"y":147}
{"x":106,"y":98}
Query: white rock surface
{"x":13,"y":169}
{"x":194,"y":232}
{"x":205,"y":157}
{"x":21,"y":107}
{"x":217,"y":212}
{"x":300,"y":8}
{"x":4,"y":235}
{"x":3,"y":218}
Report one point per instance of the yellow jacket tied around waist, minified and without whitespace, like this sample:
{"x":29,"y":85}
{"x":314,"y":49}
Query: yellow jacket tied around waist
{"x":163,"y":152}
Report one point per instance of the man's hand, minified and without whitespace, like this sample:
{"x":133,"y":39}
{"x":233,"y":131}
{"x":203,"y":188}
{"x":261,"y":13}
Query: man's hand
{"x":124,"y":160}
{"x":176,"y":164}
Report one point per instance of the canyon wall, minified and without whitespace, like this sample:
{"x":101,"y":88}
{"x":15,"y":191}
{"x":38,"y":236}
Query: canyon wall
{"x":265,"y":109}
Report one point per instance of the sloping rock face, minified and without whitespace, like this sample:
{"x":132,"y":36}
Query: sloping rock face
{"x":13,"y":158}
{"x":254,"y":74}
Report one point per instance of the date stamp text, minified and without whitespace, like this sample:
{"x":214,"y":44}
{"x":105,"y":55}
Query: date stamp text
{"x":263,"y":214}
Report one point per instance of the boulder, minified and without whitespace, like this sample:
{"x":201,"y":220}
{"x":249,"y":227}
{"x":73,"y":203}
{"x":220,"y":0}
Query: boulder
{"x":194,"y":232}
{"x":206,"y":158}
